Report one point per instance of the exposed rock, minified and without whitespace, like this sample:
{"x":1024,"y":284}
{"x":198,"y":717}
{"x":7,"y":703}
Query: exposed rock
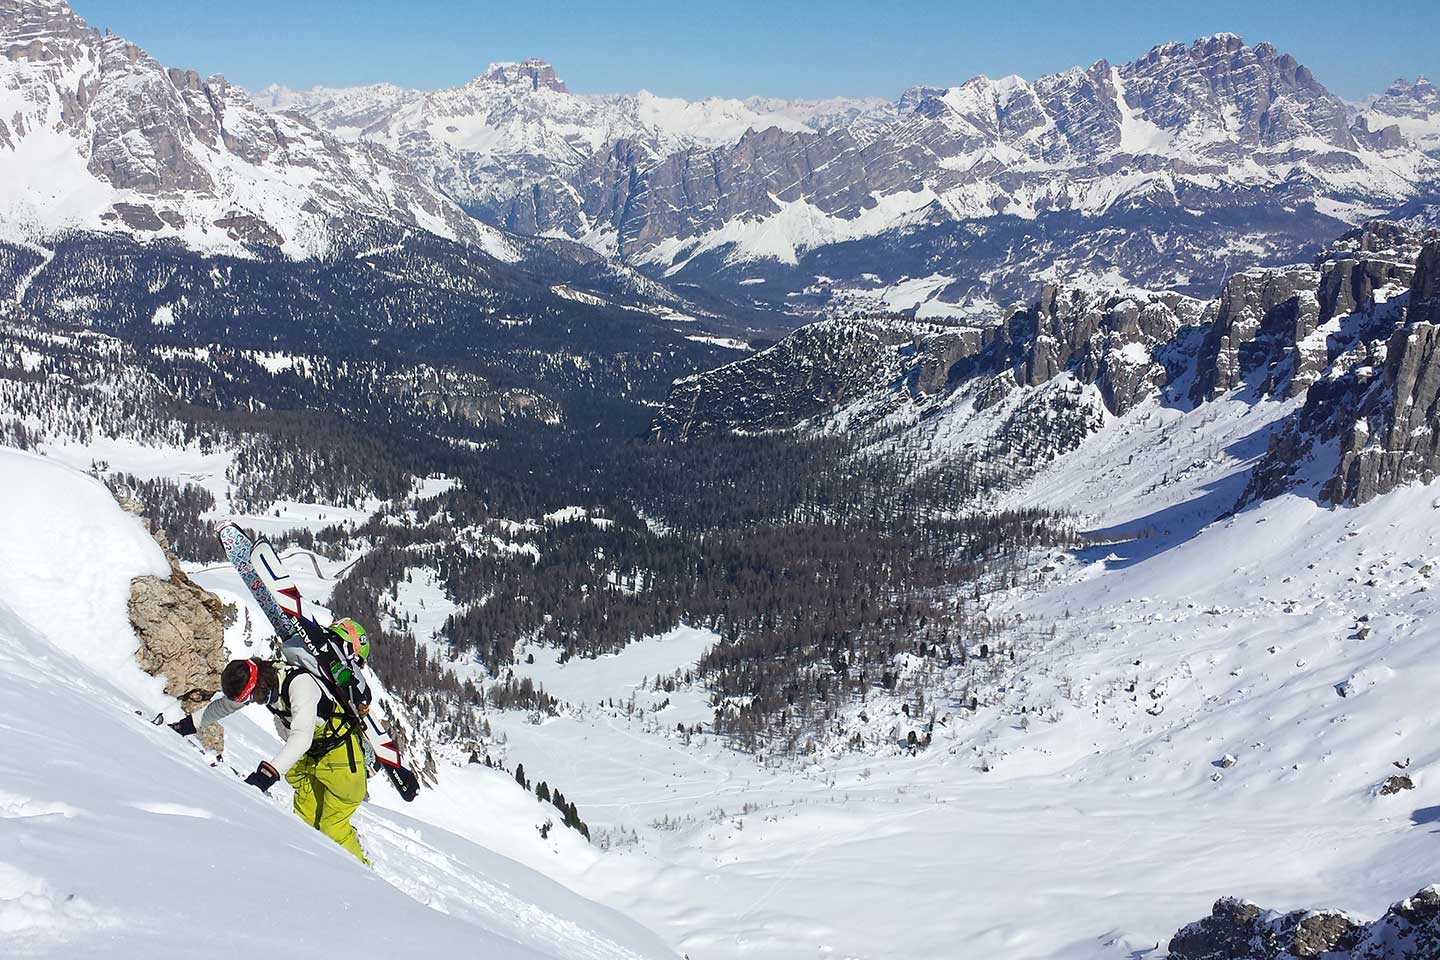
{"x":181,"y":628}
{"x":1264,"y":316}
{"x":136,"y":216}
{"x":250,"y":230}
{"x":1105,"y":339}
{"x":1224,"y":935}
{"x":1425,"y":288}
{"x":1395,"y":783}
{"x":1303,"y":934}
{"x":939,"y":357}
{"x":1235,"y":930}
{"x":1365,"y":365}
{"x":1394,"y":436}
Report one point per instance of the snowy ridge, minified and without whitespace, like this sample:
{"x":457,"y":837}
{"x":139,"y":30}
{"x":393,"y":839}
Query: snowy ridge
{"x":517,"y":125}
{"x":98,"y":136}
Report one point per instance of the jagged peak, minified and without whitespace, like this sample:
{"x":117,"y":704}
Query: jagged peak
{"x":532,"y":72}
{"x":1229,"y":42}
{"x":1224,"y":36}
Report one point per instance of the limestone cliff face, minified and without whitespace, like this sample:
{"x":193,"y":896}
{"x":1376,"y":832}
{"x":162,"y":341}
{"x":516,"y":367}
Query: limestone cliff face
{"x":1395,"y":438}
{"x":181,"y":629}
{"x":1105,"y":339}
{"x":1378,"y":400}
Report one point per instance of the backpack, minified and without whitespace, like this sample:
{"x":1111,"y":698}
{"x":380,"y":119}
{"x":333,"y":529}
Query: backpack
{"x":338,"y":676}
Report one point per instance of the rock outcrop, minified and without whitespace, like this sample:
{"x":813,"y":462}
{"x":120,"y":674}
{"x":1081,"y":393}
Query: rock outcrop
{"x":181,"y":628}
{"x":1394,"y":438}
{"x":1236,"y":930}
{"x":1102,"y":338}
{"x":1264,"y":317}
{"x":1371,"y":368}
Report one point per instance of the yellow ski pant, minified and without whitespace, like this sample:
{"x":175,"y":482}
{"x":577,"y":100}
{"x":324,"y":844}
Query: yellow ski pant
{"x":328,"y":792}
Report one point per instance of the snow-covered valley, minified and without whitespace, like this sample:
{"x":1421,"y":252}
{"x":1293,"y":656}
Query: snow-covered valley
{"x":1217,"y":708}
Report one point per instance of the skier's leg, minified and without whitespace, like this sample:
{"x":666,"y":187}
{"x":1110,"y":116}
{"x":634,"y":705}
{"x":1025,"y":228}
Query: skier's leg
{"x":308,"y":801}
{"x":343,"y":790}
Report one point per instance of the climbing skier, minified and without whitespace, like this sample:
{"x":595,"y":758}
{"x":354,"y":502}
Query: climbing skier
{"x":323,"y":757}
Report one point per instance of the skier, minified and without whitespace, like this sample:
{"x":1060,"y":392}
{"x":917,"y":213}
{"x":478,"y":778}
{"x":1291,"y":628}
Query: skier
{"x":323,"y":757}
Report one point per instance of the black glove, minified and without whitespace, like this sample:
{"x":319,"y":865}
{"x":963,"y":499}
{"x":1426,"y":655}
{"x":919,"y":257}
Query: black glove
{"x":264,"y":777}
{"x":185,"y":726}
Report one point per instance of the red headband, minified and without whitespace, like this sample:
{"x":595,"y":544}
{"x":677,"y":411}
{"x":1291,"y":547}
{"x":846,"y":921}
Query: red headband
{"x":249,"y":684}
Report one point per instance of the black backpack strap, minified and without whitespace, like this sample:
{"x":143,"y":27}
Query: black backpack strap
{"x":280,"y":706}
{"x":324,"y":710}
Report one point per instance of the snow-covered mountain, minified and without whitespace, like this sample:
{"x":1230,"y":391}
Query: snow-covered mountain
{"x":1215,"y":141}
{"x":1406,"y":110}
{"x":98,"y":136}
{"x":509,"y":143}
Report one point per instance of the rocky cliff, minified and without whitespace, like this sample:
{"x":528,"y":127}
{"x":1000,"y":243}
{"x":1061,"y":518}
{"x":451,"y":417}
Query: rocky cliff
{"x":1236,"y":930}
{"x":181,"y":628}
{"x":1377,"y":404}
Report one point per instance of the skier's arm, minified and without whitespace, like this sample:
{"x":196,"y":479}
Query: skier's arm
{"x":304,"y":714}
{"x":215,"y":711}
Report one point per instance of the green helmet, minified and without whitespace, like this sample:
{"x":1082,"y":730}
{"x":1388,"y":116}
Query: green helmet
{"x":353,"y":636}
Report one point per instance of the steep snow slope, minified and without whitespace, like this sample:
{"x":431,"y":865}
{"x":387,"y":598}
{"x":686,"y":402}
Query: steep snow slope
{"x":117,"y":838}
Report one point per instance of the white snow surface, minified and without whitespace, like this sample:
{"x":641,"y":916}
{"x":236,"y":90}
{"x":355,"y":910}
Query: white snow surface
{"x":118,"y":839}
{"x":1099,"y":820}
{"x":1087,"y":811}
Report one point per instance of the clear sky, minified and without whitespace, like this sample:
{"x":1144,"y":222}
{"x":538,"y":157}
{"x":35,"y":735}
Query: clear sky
{"x":745,"y":47}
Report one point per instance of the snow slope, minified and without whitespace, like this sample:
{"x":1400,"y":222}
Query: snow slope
{"x":117,"y":838}
{"x":1085,"y":812}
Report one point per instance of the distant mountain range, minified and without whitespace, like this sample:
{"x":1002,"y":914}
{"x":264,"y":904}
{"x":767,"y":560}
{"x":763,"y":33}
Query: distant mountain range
{"x":1163,"y":172}
{"x":1170,"y":172}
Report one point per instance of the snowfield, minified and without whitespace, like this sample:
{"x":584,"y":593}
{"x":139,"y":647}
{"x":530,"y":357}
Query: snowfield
{"x":1093,"y":811}
{"x":1220,"y":700}
{"x":118,"y":839}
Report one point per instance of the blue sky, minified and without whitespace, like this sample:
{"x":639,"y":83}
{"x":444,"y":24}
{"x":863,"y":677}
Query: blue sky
{"x":778,"y":48}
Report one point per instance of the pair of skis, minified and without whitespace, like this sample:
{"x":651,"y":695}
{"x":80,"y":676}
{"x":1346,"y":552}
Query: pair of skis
{"x":306,"y":644}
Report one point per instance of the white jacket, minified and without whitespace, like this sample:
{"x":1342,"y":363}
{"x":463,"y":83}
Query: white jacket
{"x":305,"y":694}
